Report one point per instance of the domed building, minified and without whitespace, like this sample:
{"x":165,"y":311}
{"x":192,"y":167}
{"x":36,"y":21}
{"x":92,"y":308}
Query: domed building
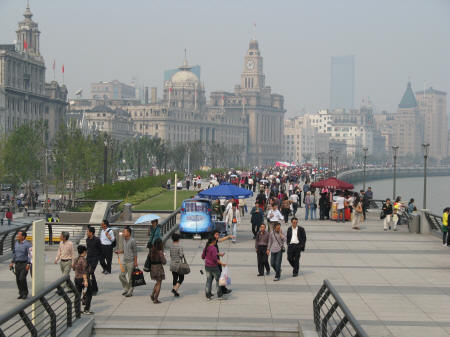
{"x":184,"y":90}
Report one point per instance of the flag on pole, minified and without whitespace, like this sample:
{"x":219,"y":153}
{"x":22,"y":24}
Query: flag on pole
{"x":25,"y":45}
{"x":63,"y":68}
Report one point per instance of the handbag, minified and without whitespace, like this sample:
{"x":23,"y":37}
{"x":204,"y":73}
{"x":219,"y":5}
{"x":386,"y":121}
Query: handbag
{"x":183,"y":267}
{"x":137,"y":278}
{"x":147,"y":264}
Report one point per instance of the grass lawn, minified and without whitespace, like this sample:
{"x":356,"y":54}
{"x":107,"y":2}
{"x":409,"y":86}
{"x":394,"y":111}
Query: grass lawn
{"x":164,"y":201}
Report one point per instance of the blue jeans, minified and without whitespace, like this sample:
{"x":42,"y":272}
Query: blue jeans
{"x":339,"y":212}
{"x":309,"y":209}
{"x":313,"y":212}
{"x":275,"y":262}
{"x":212,"y":272}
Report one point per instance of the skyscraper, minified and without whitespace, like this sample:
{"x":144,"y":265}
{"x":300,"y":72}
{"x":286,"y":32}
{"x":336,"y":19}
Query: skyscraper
{"x":342,"y":88}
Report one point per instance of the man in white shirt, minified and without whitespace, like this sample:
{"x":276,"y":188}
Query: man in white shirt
{"x":274,"y":216}
{"x":108,"y":242}
{"x":340,"y":200}
{"x":294,"y":202}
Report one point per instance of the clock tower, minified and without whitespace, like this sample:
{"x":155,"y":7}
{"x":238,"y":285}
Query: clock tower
{"x":252,"y":77}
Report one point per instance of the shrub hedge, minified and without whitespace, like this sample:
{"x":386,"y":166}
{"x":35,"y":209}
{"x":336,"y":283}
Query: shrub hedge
{"x":124,"y":189}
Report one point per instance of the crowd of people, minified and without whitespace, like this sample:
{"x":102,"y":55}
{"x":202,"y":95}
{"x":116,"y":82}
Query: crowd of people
{"x":279,"y":197}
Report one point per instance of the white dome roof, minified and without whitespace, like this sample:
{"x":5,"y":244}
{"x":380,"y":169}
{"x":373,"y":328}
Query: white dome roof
{"x":184,"y":77}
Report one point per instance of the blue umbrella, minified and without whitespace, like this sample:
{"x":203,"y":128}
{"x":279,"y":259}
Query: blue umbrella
{"x":147,"y":218}
{"x":226,"y":191}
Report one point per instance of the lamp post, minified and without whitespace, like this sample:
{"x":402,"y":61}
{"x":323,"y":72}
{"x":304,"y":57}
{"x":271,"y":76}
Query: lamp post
{"x":365,"y":149}
{"x":105,"y":162}
{"x":395,"y":150}
{"x":336,"y":164}
{"x":188,"y":160}
{"x":330,"y":163}
{"x":425,"y":148}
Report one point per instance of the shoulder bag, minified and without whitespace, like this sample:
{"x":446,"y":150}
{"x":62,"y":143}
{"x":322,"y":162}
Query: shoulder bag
{"x":183,"y":267}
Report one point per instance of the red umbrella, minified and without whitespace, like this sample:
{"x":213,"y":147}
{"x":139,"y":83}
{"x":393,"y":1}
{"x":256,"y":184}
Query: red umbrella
{"x":333,"y":183}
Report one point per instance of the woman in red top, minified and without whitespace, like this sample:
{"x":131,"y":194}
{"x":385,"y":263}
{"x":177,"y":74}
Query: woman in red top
{"x":212,"y":261}
{"x":9,"y":216}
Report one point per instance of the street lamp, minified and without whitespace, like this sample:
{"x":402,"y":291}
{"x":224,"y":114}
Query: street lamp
{"x":336,"y":164}
{"x":105,"y":162}
{"x":395,"y":150}
{"x":425,"y":148}
{"x":365,"y":149}
{"x":330,"y":163}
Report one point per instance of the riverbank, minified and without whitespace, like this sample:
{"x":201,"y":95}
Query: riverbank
{"x":438,"y":191}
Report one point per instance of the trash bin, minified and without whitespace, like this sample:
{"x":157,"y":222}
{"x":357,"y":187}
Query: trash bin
{"x":414,"y":223}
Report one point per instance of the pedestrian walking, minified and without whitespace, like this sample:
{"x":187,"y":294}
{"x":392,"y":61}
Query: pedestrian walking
{"x":274,"y":216}
{"x":285,"y":208}
{"x":211,"y":256}
{"x":233,"y":219}
{"x":276,"y":248}
{"x":9,"y":216}
{"x":82,"y":281}
{"x":257,"y":218}
{"x":340,"y":201}
{"x":216,"y":235}
{"x":129,"y":261}
{"x":94,"y":254}
{"x":65,"y":254}
{"x":261,"y":243}
{"x":108,"y":242}
{"x":157,"y":274}
{"x":445,"y":239}
{"x":294,"y":202}
{"x":387,"y":212}
{"x":21,"y":262}
{"x":358,"y":212}
{"x":176,"y":256}
{"x":154,"y":232}
{"x":296,"y":241}
{"x":309,"y":205}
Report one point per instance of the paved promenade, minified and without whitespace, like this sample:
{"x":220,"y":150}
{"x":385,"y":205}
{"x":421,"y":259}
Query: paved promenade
{"x":395,"y":283}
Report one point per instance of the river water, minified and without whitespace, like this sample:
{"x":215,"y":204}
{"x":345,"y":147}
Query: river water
{"x":438,"y":191}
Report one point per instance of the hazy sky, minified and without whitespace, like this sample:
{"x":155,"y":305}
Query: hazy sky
{"x":393,"y":40}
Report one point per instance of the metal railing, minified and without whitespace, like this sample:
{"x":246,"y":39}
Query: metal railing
{"x":8,"y":238}
{"x":51,"y":312}
{"x":434,"y":220}
{"x":141,"y":232}
{"x":332,"y":317}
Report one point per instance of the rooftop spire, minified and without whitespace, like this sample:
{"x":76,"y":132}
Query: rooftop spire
{"x":27,"y":14}
{"x":408,"y":99}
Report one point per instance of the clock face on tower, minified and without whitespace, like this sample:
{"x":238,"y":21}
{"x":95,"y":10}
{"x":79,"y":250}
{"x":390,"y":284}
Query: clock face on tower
{"x":250,"y":64}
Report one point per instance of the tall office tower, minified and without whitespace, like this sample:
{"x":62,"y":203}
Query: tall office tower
{"x":342,"y":89}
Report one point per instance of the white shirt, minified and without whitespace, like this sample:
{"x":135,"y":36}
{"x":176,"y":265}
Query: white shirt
{"x":294,"y":238}
{"x":340,"y":202}
{"x":294,"y":198}
{"x":275,"y":216}
{"x":104,"y":239}
{"x":250,"y":181}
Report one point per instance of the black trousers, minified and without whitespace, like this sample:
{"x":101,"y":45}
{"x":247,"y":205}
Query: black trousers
{"x":255,"y":228}
{"x":177,"y":278}
{"x":294,"y":208}
{"x":92,"y":263}
{"x":80,"y":286}
{"x":263,"y":259}
{"x":106,"y":258}
{"x":21,"y":278}
{"x":293,"y":256}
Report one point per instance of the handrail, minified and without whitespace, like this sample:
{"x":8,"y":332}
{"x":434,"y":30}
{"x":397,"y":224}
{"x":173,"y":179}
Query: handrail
{"x":9,"y":236}
{"x":332,"y":317}
{"x":169,"y":225}
{"x":47,"y":318}
{"x":434,"y":220}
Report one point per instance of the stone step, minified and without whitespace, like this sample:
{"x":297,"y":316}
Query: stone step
{"x":108,"y":330}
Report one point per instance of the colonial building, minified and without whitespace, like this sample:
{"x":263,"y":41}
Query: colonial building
{"x":24,"y":95}
{"x":433,"y":107}
{"x":112,"y":90}
{"x":250,"y":118}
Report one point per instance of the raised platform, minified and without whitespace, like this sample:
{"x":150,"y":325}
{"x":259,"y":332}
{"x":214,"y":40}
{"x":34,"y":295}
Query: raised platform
{"x":395,"y":284}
